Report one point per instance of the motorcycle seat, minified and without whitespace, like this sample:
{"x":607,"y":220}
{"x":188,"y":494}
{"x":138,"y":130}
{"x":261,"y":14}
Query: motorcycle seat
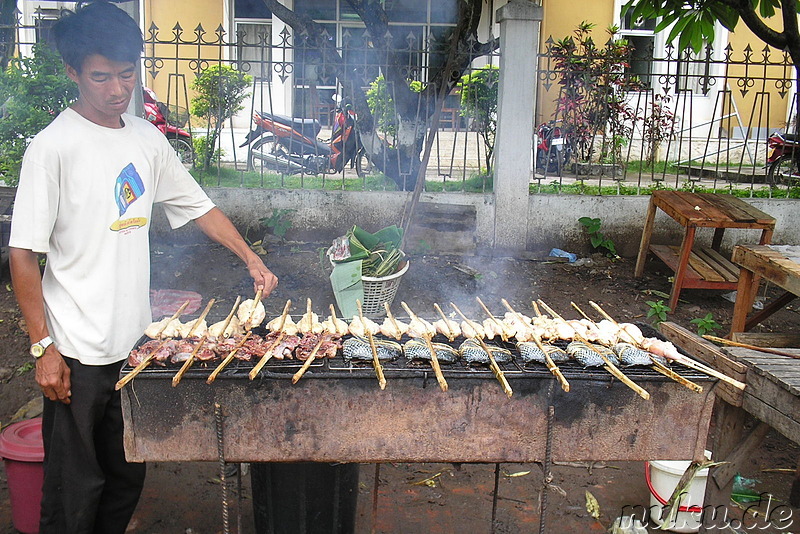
{"x":309,"y":127}
{"x":791,"y":137}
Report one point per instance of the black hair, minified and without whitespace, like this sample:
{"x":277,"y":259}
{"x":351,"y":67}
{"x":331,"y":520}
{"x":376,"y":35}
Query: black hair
{"x":97,"y":28}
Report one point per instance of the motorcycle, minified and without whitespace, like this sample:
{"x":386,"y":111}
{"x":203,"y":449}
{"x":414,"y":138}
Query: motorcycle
{"x":159,"y":114}
{"x":784,"y":160}
{"x":290,"y":145}
{"x":553,"y":151}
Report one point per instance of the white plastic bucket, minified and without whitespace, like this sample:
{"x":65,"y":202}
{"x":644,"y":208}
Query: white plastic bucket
{"x":662,"y":477}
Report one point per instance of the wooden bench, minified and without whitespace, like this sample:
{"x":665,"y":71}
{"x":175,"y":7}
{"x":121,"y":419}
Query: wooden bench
{"x":701,"y":268}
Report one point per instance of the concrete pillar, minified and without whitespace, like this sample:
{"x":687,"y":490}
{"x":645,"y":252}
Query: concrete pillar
{"x":519,"y":45}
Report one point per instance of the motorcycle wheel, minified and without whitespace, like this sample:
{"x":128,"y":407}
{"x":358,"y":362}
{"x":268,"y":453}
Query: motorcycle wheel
{"x":184,"y":150}
{"x":552,"y":161}
{"x":263,"y":154}
{"x":364,"y":166}
{"x":784,"y":171}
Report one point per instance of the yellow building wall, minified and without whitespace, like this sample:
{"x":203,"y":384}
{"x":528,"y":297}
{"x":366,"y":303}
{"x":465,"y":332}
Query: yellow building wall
{"x":762,"y":104}
{"x":561,"y":17}
{"x":172,"y":82}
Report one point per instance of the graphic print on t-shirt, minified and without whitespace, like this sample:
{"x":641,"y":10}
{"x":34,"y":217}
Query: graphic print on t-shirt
{"x":127,"y":189}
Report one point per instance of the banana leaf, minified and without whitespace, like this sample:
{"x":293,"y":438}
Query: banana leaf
{"x":363,"y":243}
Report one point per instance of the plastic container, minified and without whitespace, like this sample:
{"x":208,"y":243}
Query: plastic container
{"x":23,"y":453}
{"x":558,"y":253}
{"x":662,"y":477}
{"x":313,"y":498}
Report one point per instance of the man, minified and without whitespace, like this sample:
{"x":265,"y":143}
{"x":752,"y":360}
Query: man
{"x":85,"y":197}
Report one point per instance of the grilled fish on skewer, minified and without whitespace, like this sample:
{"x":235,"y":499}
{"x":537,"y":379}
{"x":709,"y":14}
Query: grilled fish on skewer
{"x":356,"y":348}
{"x":473,"y":353}
{"x":414,"y":349}
{"x":584,"y":354}
{"x":530,"y":352}
{"x":629,"y":355}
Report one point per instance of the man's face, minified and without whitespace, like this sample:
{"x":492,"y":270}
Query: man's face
{"x":105,"y":88}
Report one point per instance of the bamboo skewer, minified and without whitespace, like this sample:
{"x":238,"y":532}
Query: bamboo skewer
{"x":498,"y":373}
{"x":655,"y":364}
{"x":228,"y":359}
{"x":268,"y":354}
{"x":751,"y":347}
{"x":230,"y":316}
{"x":201,"y":317}
{"x":551,"y":365}
{"x":500,"y":326}
{"x":138,"y":369}
{"x":610,"y":367}
{"x":437,"y":370}
{"x":149,"y":358}
{"x":188,"y":363}
{"x":688,"y":362}
{"x":393,"y":320}
{"x":248,"y":324}
{"x":376,"y":363}
{"x":450,"y":334}
{"x":306,"y":364}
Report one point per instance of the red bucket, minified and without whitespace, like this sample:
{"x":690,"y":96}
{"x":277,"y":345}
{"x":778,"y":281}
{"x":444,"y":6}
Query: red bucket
{"x":22,"y":452}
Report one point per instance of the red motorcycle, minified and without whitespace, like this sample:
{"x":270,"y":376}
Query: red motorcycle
{"x":784,"y":160}
{"x":159,"y":114}
{"x":290,"y":145}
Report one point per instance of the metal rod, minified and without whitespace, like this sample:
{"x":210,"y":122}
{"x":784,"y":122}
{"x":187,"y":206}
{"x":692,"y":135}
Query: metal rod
{"x":495,"y":495}
{"x":375,"y":485}
{"x":221,"y":455}
{"x":548,"y":476}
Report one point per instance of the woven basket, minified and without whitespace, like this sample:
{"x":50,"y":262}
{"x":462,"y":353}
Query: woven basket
{"x":380,"y":290}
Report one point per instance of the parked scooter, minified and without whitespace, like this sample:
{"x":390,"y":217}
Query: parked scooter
{"x":553,"y":151}
{"x":158,"y":113}
{"x":784,"y":160}
{"x":290,"y":145}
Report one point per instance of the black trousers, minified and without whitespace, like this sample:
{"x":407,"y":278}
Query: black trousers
{"x":89,"y":488}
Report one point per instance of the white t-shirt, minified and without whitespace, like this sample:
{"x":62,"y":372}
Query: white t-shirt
{"x":85,"y":198}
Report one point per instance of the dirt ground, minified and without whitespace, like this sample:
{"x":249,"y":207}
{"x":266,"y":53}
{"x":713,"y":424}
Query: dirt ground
{"x":186,"y":497}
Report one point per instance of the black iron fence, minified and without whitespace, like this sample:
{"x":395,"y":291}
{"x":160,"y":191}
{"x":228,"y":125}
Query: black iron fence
{"x":676,"y":119}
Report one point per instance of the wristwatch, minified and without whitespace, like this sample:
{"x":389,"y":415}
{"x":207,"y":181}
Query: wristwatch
{"x":38,"y":348}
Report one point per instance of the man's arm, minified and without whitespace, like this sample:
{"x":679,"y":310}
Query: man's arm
{"x":52,"y":373}
{"x":220,"y":229}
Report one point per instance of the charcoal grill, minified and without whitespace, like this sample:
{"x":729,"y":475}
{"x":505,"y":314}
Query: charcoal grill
{"x":337,"y":413}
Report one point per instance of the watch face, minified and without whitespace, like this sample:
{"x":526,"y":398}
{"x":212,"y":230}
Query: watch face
{"x":37,"y":351}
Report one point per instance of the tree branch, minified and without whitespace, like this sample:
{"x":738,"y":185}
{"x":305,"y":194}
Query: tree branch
{"x":747,"y":12}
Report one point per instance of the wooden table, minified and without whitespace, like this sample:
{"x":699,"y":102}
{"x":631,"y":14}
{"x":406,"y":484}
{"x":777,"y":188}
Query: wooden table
{"x":704,"y":268}
{"x":778,"y":265}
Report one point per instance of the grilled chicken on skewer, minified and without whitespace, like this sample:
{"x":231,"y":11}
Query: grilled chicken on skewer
{"x":223,"y":328}
{"x":228,"y":359}
{"x":668,"y":351}
{"x":446,"y":327}
{"x":545,"y":353}
{"x":197,"y":328}
{"x":334,"y":325}
{"x":498,"y":373}
{"x":375,"y":361}
{"x":306,"y":364}
{"x":420,"y":328}
{"x":502,"y":329}
{"x":269,"y":353}
{"x":359,"y":327}
{"x":149,"y":358}
{"x":309,"y":322}
{"x":167,"y":327}
{"x":391,"y":327}
{"x":609,"y":366}
{"x":189,"y":361}
{"x":251,"y":312}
